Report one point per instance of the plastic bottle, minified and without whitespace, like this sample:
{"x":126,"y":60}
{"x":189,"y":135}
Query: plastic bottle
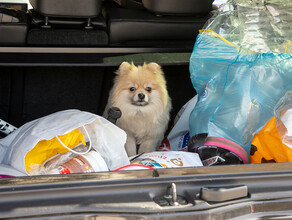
{"x":90,"y":162}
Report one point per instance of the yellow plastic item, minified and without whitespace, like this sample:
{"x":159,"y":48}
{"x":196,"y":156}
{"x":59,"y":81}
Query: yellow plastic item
{"x":217,"y":35}
{"x":46,"y":149}
{"x":269,"y":146}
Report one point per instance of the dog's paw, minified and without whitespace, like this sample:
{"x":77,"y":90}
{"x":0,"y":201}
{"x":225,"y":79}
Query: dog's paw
{"x":130,"y":147}
{"x":147,"y":146}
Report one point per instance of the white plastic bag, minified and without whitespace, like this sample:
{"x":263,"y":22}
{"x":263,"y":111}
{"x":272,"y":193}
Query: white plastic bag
{"x":179,"y":135}
{"x":8,"y":171}
{"x":106,"y":138}
{"x":283,"y":113}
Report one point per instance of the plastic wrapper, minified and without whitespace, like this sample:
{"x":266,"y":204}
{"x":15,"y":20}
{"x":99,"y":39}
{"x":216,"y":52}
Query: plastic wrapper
{"x":267,"y":145}
{"x":179,"y":136}
{"x":58,"y":159}
{"x":166,"y":159}
{"x":259,"y":26}
{"x":46,"y":149}
{"x":58,"y":164}
{"x":240,"y":68}
{"x":283,"y":113}
{"x":273,"y":143}
{"x":87,"y":163}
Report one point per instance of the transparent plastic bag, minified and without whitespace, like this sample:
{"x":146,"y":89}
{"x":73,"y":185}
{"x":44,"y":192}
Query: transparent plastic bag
{"x":240,"y":70}
{"x":283,"y":113}
{"x":259,"y":26}
{"x":273,"y":143}
{"x":179,"y":136}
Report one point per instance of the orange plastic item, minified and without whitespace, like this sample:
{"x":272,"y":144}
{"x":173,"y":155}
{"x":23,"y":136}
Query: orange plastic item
{"x":267,"y":145}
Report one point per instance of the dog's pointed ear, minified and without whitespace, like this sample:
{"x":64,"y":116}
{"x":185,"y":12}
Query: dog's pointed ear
{"x":124,"y":68}
{"x":154,"y":67}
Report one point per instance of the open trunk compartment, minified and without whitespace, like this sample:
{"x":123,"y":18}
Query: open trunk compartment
{"x":37,"y":80}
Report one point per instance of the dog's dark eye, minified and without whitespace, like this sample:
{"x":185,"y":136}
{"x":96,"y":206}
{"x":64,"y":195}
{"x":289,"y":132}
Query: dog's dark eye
{"x":132,"y":89}
{"x":148,"y":89}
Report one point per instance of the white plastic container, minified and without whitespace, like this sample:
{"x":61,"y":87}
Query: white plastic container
{"x":90,"y":162}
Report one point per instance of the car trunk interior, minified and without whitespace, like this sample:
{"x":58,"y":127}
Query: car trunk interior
{"x":54,"y":57}
{"x":28,"y":93}
{"x":58,"y":58}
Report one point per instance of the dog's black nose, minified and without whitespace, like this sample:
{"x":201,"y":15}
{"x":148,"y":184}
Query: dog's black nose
{"x":141,"y":96}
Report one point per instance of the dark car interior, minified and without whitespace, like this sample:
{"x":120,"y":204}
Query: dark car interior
{"x":105,"y":23}
{"x":63,"y":54}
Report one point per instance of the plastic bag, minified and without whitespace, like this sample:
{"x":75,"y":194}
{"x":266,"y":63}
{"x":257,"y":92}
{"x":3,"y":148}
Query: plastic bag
{"x":104,"y":137}
{"x":179,"y":136}
{"x":45,"y":149}
{"x":283,"y":113}
{"x":7,"y":171}
{"x":240,"y":70}
{"x":256,"y":26}
{"x":267,"y":146}
{"x":273,"y":143}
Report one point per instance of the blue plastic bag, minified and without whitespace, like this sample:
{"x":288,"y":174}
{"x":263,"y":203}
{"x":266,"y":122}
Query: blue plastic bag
{"x":238,"y":87}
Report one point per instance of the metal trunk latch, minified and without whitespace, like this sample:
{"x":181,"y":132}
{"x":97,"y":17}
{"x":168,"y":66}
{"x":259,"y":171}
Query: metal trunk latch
{"x":171,"y":198}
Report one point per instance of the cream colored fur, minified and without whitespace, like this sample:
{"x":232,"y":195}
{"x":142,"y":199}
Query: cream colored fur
{"x":145,"y":121}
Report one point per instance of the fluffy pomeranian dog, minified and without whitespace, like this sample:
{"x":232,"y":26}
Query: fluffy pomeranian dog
{"x":140,"y":93}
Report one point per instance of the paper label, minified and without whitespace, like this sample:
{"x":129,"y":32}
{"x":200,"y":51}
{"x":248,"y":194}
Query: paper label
{"x":76,"y":165}
{"x":169,"y":159}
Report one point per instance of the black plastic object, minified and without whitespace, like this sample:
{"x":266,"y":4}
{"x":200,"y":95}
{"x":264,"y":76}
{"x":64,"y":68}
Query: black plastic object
{"x":13,"y":27}
{"x":178,"y":7}
{"x":197,"y":141}
{"x":211,"y":155}
{"x":68,"y":8}
{"x":114,"y":114}
{"x":6,"y":128}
